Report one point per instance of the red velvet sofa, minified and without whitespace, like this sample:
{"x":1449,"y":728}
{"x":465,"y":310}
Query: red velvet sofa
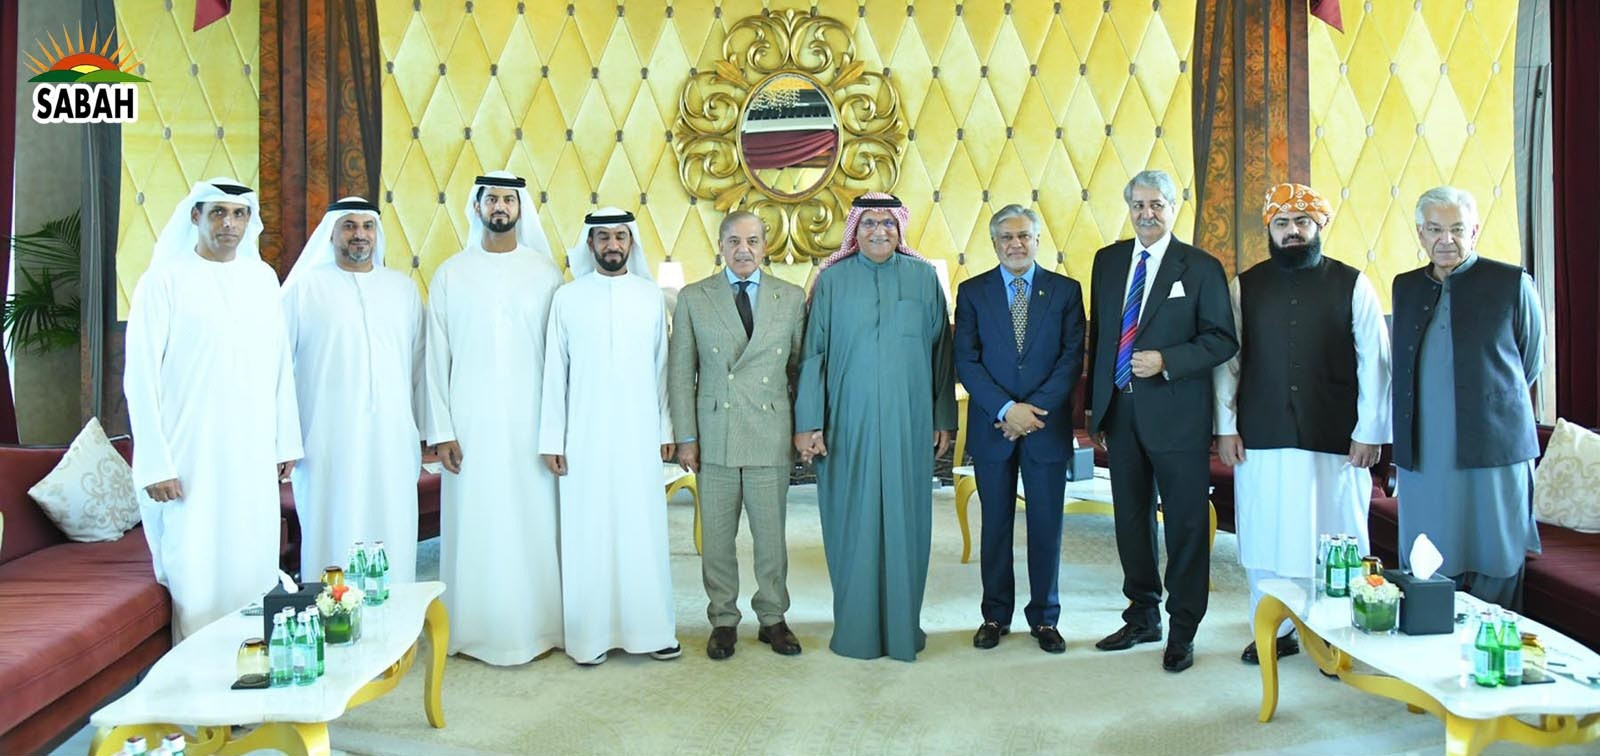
{"x":78,"y":621}
{"x":1561,"y":587}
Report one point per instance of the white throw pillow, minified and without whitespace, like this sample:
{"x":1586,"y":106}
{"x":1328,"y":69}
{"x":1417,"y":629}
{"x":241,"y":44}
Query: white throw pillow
{"x":89,"y":495}
{"x":1566,"y":486}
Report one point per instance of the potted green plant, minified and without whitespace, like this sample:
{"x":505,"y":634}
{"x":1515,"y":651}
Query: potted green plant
{"x":43,"y":312}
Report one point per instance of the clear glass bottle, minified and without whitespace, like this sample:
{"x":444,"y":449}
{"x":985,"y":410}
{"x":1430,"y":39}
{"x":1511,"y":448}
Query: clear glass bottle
{"x":1320,"y":576}
{"x":356,"y":570}
{"x":381,"y":560}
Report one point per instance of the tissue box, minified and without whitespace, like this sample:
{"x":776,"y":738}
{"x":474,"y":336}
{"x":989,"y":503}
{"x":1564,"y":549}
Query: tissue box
{"x":277,"y":598}
{"x":1427,"y":607}
{"x":1081,"y":466}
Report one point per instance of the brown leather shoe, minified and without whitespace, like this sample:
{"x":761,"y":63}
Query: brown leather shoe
{"x":780,"y":637}
{"x":720,"y":646}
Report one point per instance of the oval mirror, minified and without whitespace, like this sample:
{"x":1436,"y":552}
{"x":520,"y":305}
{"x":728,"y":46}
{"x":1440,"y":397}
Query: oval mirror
{"x":789,"y":136}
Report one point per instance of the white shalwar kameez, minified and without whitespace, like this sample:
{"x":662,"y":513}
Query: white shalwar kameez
{"x":357,"y":342}
{"x":605,"y":408}
{"x":211,"y":402}
{"x":1285,"y":498}
{"x":499,"y":555}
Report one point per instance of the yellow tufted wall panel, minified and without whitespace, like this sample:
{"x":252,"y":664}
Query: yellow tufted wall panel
{"x":1411,"y":96}
{"x":1006,"y":101}
{"x":197,"y":118}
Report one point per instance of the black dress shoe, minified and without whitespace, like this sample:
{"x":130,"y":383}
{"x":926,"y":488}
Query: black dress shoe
{"x":721,"y":644}
{"x":1178,"y":657}
{"x":988,"y":635}
{"x":780,"y":637}
{"x":1049,"y":639}
{"x":1288,"y":645}
{"x":1128,"y":636}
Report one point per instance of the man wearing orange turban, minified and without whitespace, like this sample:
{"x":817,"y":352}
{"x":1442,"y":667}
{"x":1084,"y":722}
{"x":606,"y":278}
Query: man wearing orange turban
{"x":1303,"y":408}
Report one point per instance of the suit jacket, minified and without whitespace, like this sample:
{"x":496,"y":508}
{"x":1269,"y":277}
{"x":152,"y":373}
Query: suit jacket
{"x":733,"y":394}
{"x":1043,"y":374}
{"x":1191,"y":326}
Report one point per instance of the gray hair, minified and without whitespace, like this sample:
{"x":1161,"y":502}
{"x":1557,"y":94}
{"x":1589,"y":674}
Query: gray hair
{"x":1158,"y":180}
{"x":1013,"y":211}
{"x":1447,"y":195}
{"x":734,"y":217}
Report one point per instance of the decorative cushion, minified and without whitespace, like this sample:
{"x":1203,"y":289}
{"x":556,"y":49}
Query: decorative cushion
{"x":1567,"y":479}
{"x":89,"y":495}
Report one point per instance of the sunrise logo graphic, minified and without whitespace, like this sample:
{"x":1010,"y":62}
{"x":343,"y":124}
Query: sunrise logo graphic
{"x":87,"y":83}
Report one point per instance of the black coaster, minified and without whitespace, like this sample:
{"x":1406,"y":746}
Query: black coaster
{"x":250,"y":682}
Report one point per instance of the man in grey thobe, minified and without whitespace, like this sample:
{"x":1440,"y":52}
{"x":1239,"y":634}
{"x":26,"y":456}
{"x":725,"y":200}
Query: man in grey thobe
{"x":874,"y":405}
{"x":1468,"y":333}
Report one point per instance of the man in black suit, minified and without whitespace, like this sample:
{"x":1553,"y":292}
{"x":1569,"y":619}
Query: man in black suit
{"x":1019,"y":352}
{"x":1162,"y":320}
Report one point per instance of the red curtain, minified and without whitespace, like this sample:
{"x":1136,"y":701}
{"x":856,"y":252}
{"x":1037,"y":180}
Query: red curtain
{"x":781,"y":149}
{"x":1575,"y":79}
{"x":8,"y":147}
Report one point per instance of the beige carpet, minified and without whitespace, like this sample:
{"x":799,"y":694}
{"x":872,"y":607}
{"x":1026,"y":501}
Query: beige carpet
{"x":954,"y":699}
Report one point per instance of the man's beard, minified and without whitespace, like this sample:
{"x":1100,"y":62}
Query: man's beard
{"x":610,"y":266}
{"x":499,"y":227}
{"x":351,"y":255}
{"x":1298,"y":256}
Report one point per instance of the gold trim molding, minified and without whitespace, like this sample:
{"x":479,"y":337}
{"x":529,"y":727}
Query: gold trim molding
{"x":871,"y":128}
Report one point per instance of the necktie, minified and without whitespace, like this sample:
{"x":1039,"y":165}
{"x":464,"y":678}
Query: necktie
{"x":741,"y":302}
{"x":1130,"y":322}
{"x":1019,"y":310}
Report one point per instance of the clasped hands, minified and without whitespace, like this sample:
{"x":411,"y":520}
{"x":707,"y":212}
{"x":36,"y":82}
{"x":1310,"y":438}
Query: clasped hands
{"x":1020,"y":420}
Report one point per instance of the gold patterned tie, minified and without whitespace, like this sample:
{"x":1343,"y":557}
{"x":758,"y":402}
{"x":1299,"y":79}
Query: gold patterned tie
{"x":1019,"y":310}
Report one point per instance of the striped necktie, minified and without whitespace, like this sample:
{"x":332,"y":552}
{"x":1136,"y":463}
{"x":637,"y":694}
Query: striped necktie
{"x":1130,"y":322}
{"x":1019,"y":310}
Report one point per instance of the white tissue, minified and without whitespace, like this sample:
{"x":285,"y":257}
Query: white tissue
{"x":1425,"y":558}
{"x":288,"y":582}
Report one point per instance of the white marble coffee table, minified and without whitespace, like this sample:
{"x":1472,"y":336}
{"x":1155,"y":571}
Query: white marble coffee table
{"x":1425,"y":672}
{"x":191,"y":684}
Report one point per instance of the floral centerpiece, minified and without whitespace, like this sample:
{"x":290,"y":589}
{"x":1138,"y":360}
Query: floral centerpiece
{"x":1374,"y":604}
{"x":340,"y":606}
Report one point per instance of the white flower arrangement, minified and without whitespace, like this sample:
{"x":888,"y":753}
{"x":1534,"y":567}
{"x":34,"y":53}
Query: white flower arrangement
{"x":1374,"y":590}
{"x":349,"y":599}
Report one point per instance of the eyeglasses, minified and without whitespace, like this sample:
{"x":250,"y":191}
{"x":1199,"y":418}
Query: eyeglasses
{"x":1023,"y":237}
{"x":1304,"y":223}
{"x":872,"y":224}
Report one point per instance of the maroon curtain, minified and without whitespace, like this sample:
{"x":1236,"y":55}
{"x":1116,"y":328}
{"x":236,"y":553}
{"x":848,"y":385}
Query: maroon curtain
{"x":8,"y":147}
{"x":782,"y":149}
{"x":1575,"y":79}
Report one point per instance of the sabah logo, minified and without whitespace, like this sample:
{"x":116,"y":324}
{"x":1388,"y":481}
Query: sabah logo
{"x":87,"y":83}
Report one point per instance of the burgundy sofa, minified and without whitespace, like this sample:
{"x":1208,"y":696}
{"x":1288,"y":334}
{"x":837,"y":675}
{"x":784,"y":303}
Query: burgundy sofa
{"x":78,"y":621}
{"x":1561,"y":587}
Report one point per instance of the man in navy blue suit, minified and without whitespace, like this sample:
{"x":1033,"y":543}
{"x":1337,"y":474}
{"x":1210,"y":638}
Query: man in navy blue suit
{"x":1019,"y":352}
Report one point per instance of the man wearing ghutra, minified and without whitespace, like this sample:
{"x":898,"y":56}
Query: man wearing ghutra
{"x":211,"y":402}
{"x":874,"y":405}
{"x":355,"y":330}
{"x":487,"y":309}
{"x":605,"y":431}
{"x":1303,"y":408}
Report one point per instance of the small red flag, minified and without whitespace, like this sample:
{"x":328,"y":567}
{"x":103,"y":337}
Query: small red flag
{"x":207,"y":12}
{"x":1328,"y":11}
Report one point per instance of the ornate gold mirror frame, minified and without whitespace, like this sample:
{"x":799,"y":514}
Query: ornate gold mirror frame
{"x":709,"y":134}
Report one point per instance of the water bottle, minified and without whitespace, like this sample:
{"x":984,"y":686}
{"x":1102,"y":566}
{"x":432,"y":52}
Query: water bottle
{"x":355,"y":574}
{"x":305,"y":652}
{"x":369,"y":577}
{"x":1511,"y":650}
{"x":381,"y":564}
{"x":1352,"y":561}
{"x":318,"y":640}
{"x":135,"y":746}
{"x":1320,"y":575}
{"x":280,"y":653}
{"x":1338,"y":584}
{"x":1488,"y":657}
{"x":175,"y":744}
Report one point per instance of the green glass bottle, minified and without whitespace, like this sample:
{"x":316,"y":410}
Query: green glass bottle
{"x":1511,"y":649}
{"x":1352,"y":561}
{"x":1487,"y":655}
{"x":1338,"y":585}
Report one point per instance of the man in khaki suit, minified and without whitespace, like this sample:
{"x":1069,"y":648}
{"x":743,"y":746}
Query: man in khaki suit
{"x":734,"y":351}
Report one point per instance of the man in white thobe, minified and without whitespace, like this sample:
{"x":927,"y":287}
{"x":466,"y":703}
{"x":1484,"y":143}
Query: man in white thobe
{"x":211,"y":402}
{"x":485,"y":344}
{"x":1303,"y":408}
{"x":355,"y":330}
{"x":605,"y":430}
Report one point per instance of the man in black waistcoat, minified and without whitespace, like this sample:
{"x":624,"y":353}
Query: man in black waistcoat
{"x":1304,"y":407}
{"x":1161,"y":323}
{"x":1468,"y":336}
